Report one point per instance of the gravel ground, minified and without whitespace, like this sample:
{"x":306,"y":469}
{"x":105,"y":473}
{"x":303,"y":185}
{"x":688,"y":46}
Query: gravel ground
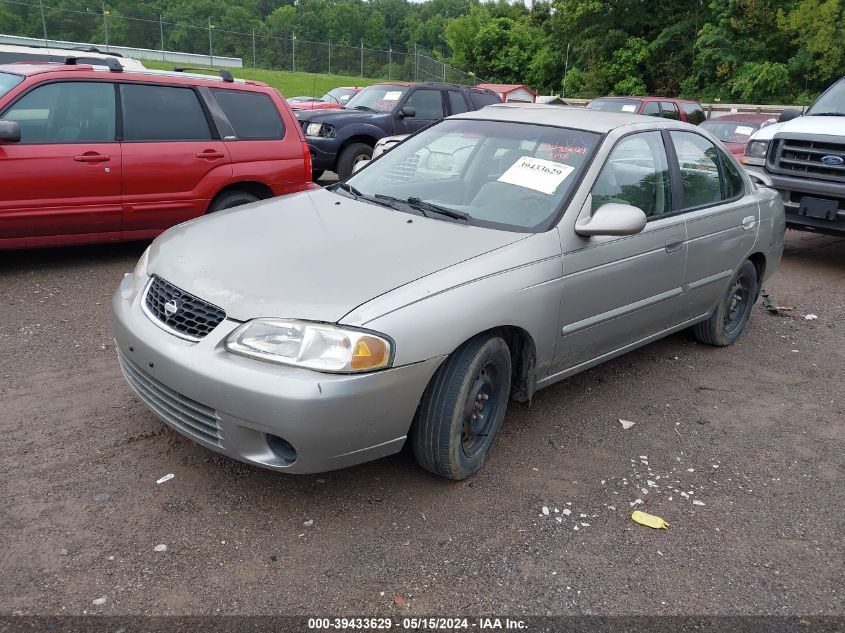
{"x":753,"y":432}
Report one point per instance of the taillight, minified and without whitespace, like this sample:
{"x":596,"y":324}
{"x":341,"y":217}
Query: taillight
{"x":308,"y":166}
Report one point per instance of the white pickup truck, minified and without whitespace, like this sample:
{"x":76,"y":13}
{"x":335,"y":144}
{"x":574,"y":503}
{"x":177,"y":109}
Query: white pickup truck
{"x":804,"y":156}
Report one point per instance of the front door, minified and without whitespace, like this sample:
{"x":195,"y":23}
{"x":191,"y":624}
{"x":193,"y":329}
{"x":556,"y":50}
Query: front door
{"x":169,"y":154}
{"x":428,"y":104}
{"x":722,"y":220}
{"x":618,"y":291}
{"x":64,"y":176}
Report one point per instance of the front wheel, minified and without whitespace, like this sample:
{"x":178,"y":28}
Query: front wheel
{"x":350,"y":156}
{"x":463,"y":408}
{"x":728,"y":320}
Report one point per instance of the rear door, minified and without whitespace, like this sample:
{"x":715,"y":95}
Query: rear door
{"x":174,"y":160}
{"x":64,"y":176}
{"x":722,"y":219}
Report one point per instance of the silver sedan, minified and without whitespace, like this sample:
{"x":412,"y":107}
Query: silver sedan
{"x":484,"y":258}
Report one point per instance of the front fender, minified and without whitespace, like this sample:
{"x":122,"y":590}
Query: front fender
{"x":359,"y":129}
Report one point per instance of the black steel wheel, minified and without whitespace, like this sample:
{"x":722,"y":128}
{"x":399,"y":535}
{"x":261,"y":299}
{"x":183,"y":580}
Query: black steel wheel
{"x":729,"y":318}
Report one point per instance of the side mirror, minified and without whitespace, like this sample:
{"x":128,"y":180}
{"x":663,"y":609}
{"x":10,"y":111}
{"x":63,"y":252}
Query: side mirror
{"x":10,"y":132}
{"x":357,"y":166}
{"x":759,"y":178}
{"x":613,"y":219}
{"x":408,"y":112}
{"x":788,"y":115}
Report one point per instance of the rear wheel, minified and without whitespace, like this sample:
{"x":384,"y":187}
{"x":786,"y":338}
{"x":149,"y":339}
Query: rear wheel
{"x":728,"y":320}
{"x":351,"y":155}
{"x":463,"y":408}
{"x":229,"y":199}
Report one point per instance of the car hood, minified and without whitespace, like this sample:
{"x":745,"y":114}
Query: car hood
{"x":314,"y":255}
{"x":340,"y":116}
{"x":826,"y":125}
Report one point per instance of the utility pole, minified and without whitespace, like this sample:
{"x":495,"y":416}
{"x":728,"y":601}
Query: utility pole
{"x":416,"y":62}
{"x":362,"y":58}
{"x":293,"y":52}
{"x":106,"y":25}
{"x":253,"y":48}
{"x":565,"y":70}
{"x":330,"y":57}
{"x":161,"y":34}
{"x":43,"y":22}
{"x":389,"y":60}
{"x":210,"y":49}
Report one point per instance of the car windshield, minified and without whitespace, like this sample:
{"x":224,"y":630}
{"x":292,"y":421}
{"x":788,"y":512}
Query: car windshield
{"x":338,"y":95}
{"x":615,"y":105}
{"x":511,"y":176}
{"x":8,"y":81}
{"x":831,"y":102}
{"x":730,"y":131}
{"x":376,"y":98}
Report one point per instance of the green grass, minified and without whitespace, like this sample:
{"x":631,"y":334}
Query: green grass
{"x":290,"y":84}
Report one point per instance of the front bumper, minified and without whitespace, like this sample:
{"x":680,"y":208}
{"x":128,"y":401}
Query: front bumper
{"x":323,"y":152}
{"x":235,"y":405}
{"x":792,"y":189}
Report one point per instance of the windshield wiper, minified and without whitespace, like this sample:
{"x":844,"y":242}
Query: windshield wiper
{"x":345,"y":187}
{"x":376,"y":199}
{"x":426,"y":207}
{"x":826,"y":113}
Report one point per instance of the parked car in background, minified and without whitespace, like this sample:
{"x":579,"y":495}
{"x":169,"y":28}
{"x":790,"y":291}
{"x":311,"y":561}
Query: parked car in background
{"x":339,"y":139}
{"x":332,"y":100}
{"x":96,"y":153}
{"x":387,"y":143}
{"x":734,"y":130}
{"x":804,"y":155}
{"x":676,"y":109}
{"x":486,"y":257}
{"x":12,"y":53}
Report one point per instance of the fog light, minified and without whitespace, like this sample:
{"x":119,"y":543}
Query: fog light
{"x":283,"y":449}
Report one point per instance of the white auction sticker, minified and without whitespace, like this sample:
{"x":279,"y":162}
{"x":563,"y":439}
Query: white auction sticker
{"x":629,"y":108}
{"x":536,"y":173}
{"x":392,"y":96}
{"x":744,"y":130}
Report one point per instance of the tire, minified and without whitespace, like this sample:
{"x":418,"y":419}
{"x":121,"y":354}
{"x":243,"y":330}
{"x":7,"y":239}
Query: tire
{"x":474,"y":380}
{"x":316,"y":174}
{"x":349,"y":155}
{"x":229,"y":199}
{"x":733,"y":311}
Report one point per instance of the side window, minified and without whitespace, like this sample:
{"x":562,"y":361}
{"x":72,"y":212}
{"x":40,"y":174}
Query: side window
{"x":734,"y":186}
{"x":66,"y":112}
{"x":253,"y":115}
{"x":162,"y":113}
{"x":699,"y":162}
{"x":636,"y":173}
{"x":695,"y":114}
{"x":457,"y":102}
{"x":652,"y":108}
{"x":481,"y":98}
{"x":427,"y":103}
{"x":670,"y":111}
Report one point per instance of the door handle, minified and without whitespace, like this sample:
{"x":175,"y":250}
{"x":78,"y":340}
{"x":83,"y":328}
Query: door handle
{"x":748,"y":222}
{"x":91,"y":157}
{"x":210,"y":154}
{"x":674,"y":243}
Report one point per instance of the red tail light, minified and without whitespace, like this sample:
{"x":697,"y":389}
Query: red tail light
{"x":308,"y":166}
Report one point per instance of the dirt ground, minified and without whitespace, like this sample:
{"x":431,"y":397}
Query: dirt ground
{"x":754,"y":433}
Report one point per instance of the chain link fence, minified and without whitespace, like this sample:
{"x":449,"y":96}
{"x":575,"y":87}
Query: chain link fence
{"x":153,"y":38}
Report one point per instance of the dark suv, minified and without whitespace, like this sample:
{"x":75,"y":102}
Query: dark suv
{"x":341,"y":138}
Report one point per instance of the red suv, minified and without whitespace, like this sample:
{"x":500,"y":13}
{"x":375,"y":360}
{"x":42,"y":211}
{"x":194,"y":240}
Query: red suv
{"x":666,"y":107}
{"x":101,"y":153}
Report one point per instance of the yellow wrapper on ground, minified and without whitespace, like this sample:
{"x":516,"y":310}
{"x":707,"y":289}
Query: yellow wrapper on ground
{"x":649,"y":520}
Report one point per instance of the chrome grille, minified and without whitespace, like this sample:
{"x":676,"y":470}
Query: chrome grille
{"x":189,"y":416}
{"x":179,"y":311}
{"x":803,"y":158}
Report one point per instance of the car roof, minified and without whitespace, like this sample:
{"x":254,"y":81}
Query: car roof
{"x":560,"y":116}
{"x":37,"y":68}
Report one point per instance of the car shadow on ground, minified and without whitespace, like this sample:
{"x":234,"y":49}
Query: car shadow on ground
{"x":62,"y":257}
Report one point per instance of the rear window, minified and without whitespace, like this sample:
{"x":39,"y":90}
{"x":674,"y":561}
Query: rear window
{"x":162,"y":113}
{"x":483,"y":98}
{"x":695,"y":113}
{"x":253,"y":115}
{"x":615,"y":105}
{"x":8,"y":81}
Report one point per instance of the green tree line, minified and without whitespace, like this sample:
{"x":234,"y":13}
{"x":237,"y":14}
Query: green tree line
{"x":731,"y":50}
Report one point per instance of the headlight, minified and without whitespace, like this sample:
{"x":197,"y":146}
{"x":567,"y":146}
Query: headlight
{"x":757,"y":149}
{"x":314,"y":346}
{"x":139,"y":274}
{"x":313,"y":129}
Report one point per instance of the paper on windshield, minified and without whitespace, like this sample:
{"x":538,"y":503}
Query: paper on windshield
{"x":535,"y":173}
{"x":629,"y":108}
{"x":392,"y":96}
{"x":744,"y":130}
